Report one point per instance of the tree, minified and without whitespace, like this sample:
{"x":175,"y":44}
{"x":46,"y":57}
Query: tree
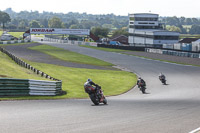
{"x":195,"y":29}
{"x":74,"y":26}
{"x":188,"y":21}
{"x":120,"y":32}
{"x":4,"y":18}
{"x":173,"y":28}
{"x":34,"y":24}
{"x":55,"y":22}
{"x":183,"y":30}
{"x":44,"y":23}
{"x":23,"y":24}
{"x":100,"y":32}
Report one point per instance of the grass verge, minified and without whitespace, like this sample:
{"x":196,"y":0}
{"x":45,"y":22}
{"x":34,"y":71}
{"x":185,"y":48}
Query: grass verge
{"x":9,"y":69}
{"x":112,"y":82}
{"x":73,"y":79}
{"x":70,"y":56}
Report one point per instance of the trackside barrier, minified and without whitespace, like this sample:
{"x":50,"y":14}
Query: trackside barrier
{"x":172,"y":52}
{"x":12,"y":42}
{"x":70,"y":41}
{"x":26,"y":87}
{"x":26,"y":65}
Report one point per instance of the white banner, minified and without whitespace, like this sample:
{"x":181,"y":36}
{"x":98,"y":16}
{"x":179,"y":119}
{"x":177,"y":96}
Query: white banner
{"x":59,"y":31}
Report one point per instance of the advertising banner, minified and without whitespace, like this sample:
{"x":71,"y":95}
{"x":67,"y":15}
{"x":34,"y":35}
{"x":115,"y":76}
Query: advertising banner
{"x":59,"y":31}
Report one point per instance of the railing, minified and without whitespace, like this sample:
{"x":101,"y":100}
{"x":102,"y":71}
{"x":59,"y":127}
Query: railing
{"x":26,"y":87}
{"x":26,"y":65}
{"x":16,"y":41}
{"x":72,"y":42}
{"x":173,"y":52}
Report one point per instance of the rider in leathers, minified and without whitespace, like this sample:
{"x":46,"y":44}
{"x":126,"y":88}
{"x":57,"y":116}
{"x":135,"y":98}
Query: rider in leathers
{"x":140,"y":80}
{"x":90,"y":87}
{"x":161,"y":76}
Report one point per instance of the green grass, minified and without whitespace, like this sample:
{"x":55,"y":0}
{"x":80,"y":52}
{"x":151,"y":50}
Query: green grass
{"x":9,"y":69}
{"x":70,"y":56}
{"x":112,"y":82}
{"x":17,"y":34}
{"x":73,"y":79}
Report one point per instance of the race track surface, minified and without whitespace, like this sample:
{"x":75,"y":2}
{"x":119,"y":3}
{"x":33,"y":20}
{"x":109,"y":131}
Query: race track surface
{"x":172,"y":108}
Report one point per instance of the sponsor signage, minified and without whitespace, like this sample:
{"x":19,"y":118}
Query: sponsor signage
{"x":59,"y":31}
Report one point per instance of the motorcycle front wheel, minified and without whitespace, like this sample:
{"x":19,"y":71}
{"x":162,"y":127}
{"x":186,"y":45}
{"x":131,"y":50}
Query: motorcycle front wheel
{"x":94,"y":99}
{"x":105,"y":101}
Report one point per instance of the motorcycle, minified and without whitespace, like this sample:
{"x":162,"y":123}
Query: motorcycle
{"x":96,"y":96}
{"x":163,"y":80}
{"x":142,"y":87}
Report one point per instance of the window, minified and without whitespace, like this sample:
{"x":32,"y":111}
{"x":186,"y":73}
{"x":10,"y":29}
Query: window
{"x":145,"y":19}
{"x":165,"y":37}
{"x":132,"y":18}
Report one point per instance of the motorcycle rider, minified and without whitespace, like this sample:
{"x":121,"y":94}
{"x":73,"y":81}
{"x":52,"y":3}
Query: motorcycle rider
{"x":141,"y":84}
{"x":140,"y":80}
{"x":91,"y":87}
{"x":162,"y":76}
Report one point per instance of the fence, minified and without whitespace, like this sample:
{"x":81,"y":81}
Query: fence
{"x":135,"y":48}
{"x":26,"y":87}
{"x":26,"y":65}
{"x":12,"y":42}
{"x":72,"y":42}
{"x":173,"y":52}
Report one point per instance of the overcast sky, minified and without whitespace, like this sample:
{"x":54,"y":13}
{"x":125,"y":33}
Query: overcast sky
{"x":186,"y":8}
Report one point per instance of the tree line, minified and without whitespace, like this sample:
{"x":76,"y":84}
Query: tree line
{"x":108,"y":22}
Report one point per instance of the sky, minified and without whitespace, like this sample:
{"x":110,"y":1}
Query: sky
{"x":186,"y":8}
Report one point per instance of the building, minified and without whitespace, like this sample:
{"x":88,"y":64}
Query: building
{"x":121,"y":38}
{"x":146,"y":30}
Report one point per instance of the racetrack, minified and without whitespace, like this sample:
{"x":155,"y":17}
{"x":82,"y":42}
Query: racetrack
{"x":174,"y":108}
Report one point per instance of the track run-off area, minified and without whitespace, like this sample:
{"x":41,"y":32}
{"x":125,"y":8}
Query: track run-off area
{"x":172,"y":108}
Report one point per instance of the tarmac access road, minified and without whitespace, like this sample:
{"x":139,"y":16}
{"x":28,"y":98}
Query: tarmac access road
{"x":172,"y":108}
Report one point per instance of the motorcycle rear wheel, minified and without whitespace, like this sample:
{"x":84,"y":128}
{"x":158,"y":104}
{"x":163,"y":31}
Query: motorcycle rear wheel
{"x":105,"y":101}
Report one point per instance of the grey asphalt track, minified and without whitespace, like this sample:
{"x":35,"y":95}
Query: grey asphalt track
{"x":173,"y":108}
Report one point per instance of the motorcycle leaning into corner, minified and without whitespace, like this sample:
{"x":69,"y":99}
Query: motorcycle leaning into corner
{"x":141,"y":85}
{"x":162,"y":79}
{"x":96,"y":94}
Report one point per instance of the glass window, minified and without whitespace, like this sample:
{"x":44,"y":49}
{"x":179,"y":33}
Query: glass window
{"x":132,"y":18}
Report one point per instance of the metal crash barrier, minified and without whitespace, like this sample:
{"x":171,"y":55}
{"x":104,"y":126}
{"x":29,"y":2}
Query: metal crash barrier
{"x":27,"y":87}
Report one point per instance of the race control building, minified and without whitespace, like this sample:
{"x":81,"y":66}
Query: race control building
{"x":146,"y":30}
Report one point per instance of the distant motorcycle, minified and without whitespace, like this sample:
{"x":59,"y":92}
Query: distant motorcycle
{"x":162,"y":79}
{"x":142,"y":87}
{"x":96,"y":95}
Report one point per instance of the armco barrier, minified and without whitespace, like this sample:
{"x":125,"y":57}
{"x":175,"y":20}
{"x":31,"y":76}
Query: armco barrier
{"x":12,"y":42}
{"x":26,"y":65}
{"x":72,"y":42}
{"x":174,"y":53}
{"x":134,"y":48}
{"x":26,"y":87}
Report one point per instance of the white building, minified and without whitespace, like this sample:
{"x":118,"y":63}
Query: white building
{"x":146,"y":30}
